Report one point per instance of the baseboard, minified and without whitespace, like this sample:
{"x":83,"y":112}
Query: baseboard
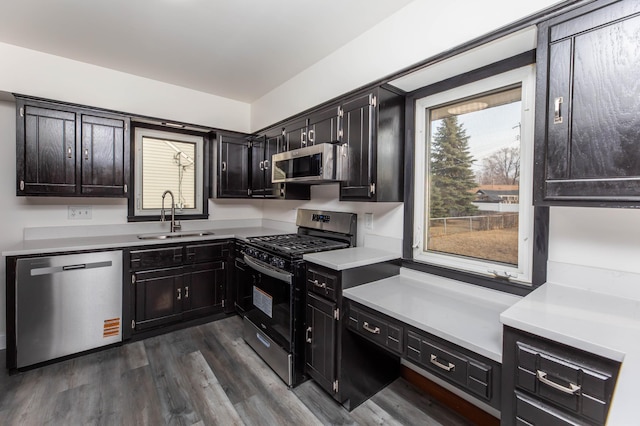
{"x":3,"y":342}
{"x":464,"y":408}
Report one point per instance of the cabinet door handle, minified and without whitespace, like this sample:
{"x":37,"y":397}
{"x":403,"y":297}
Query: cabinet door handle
{"x":186,"y":292}
{"x":557,"y":110}
{"x":307,"y":335}
{"x":266,"y":164}
{"x":224,"y":166}
{"x":86,"y":153}
{"x":434,"y":361}
{"x":312,"y":136}
{"x":179,"y":294}
{"x":571,"y":390}
{"x":317,"y":284}
{"x":367,"y":327}
{"x":69,"y":152}
{"x":261,"y":165}
{"x":303,"y":138}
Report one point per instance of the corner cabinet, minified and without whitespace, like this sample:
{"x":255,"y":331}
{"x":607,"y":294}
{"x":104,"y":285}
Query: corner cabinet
{"x":372,"y":146}
{"x":63,"y":150}
{"x":588,"y":107}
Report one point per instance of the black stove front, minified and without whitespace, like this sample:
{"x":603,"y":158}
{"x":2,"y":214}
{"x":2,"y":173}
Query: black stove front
{"x":274,"y":325}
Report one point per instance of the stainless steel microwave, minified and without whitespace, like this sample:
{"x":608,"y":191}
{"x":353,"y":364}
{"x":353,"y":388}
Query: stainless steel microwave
{"x":312,"y":164}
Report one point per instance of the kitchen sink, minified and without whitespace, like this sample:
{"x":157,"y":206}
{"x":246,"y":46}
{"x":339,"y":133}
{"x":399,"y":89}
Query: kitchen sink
{"x":168,"y":235}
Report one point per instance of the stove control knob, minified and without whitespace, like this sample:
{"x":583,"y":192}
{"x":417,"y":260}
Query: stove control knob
{"x":264,"y":257}
{"x":250,"y":252}
{"x":280,"y":263}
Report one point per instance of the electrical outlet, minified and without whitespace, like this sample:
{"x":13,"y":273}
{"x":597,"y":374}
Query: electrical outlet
{"x":368,"y":221}
{"x":79,"y":212}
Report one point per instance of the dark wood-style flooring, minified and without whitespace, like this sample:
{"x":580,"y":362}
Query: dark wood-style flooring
{"x":204,"y":375}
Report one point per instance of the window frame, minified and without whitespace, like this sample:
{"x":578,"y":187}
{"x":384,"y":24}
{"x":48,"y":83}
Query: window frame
{"x":202,"y":176}
{"x":539,"y":215}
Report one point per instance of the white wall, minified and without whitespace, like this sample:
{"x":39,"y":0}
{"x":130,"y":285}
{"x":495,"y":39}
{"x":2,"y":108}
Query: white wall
{"x":29,"y":72}
{"x":419,"y":31}
{"x":596,"y":237}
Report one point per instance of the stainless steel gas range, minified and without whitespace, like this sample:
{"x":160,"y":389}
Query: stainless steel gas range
{"x":274,"y":325}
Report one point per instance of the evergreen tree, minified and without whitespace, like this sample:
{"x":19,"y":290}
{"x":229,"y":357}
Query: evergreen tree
{"x":452,"y":177}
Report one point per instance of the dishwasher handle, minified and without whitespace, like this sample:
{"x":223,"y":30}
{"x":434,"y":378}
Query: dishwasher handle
{"x":48,"y":270}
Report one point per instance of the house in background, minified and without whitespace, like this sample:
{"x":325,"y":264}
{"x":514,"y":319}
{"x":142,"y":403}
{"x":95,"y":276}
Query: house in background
{"x":497,"y":198}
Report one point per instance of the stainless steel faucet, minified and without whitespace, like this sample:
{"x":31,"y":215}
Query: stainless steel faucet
{"x":174,"y":226}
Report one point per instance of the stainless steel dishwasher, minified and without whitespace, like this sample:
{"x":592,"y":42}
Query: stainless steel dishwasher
{"x":67,"y":304}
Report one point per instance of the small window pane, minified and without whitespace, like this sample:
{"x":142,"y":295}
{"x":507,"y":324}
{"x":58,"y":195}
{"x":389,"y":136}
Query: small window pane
{"x":168,"y":165}
{"x":472,"y":195}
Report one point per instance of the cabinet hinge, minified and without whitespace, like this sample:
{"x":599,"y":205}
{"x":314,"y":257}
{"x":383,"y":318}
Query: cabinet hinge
{"x":335,"y":386}
{"x":133,"y":279}
{"x":21,"y":111}
{"x":336,"y":314}
{"x":374,"y":101}
{"x":133,"y":324}
{"x":372,"y":188}
{"x":21,"y":185}
{"x":125,"y":188}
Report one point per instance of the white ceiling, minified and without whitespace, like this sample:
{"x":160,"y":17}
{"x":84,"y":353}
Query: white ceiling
{"x":238,"y":49}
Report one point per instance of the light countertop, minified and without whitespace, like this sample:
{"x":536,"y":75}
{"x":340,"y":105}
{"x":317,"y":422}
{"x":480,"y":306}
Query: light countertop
{"x":54,"y":245}
{"x":602,"y":324}
{"x":349,"y":258}
{"x":463,"y":314}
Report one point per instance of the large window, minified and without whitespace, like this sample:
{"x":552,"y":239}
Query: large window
{"x":167,"y":160}
{"x":473,"y":177}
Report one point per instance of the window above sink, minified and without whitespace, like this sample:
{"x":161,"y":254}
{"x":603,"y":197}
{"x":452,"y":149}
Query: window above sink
{"x":168,"y":159}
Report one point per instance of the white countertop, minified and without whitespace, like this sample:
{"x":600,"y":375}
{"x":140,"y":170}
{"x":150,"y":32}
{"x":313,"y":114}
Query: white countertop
{"x":349,"y":258}
{"x":54,"y":245}
{"x":602,"y":324}
{"x":464,"y":314}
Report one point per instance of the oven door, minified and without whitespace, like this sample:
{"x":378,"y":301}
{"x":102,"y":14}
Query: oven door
{"x":271,"y":303}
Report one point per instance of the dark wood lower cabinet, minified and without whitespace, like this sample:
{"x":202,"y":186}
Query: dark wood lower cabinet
{"x":157,"y":297}
{"x":174,"y":283}
{"x":321,"y":342}
{"x":203,"y":288}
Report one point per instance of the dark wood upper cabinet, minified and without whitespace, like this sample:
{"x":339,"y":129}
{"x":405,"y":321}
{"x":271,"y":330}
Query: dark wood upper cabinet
{"x":262,"y":148}
{"x":295,"y":134}
{"x":372,"y":147}
{"x":62,"y":150}
{"x":105,"y":155}
{"x":233,"y":166}
{"x":324,"y":126}
{"x":588,"y":107}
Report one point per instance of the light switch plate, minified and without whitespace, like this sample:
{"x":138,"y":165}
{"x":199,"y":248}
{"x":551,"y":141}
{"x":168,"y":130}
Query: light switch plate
{"x":79,"y":212}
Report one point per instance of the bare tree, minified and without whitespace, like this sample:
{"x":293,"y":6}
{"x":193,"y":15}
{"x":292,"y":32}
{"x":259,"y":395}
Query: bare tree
{"x":501,"y":168}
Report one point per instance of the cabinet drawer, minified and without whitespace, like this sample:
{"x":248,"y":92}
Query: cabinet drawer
{"x":446,"y":361}
{"x":562,"y":379}
{"x":530,"y":412}
{"x":376,"y":328}
{"x":323,"y":282}
{"x":155,"y":258}
{"x":207,"y":252}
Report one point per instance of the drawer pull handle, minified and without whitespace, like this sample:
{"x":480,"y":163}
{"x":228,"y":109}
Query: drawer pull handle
{"x":434,"y":361}
{"x":571,"y":390}
{"x":317,"y":284}
{"x":367,"y":327}
{"x":307,"y":336}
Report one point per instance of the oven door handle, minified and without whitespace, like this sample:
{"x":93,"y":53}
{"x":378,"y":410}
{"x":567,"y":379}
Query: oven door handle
{"x":282,"y":276}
